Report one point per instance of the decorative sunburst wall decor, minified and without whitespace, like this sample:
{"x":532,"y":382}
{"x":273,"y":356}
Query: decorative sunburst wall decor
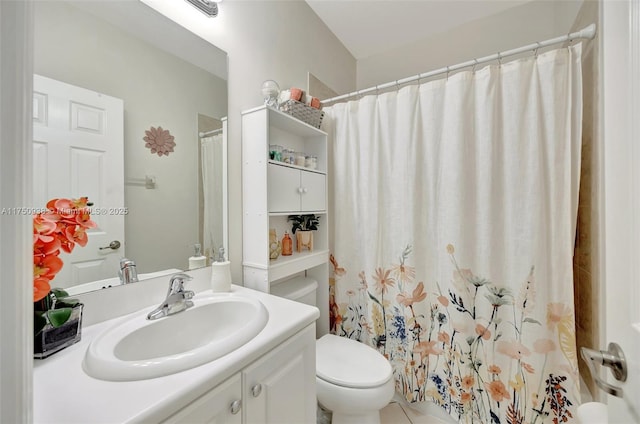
{"x":159,"y":140}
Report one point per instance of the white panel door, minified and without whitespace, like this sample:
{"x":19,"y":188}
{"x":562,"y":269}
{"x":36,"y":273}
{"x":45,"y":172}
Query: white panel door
{"x":621,"y":129}
{"x":221,"y":405}
{"x":314,"y":191}
{"x":78,"y":144}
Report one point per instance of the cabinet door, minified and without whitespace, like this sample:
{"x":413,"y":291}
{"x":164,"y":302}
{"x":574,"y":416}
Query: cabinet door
{"x":280,"y":387}
{"x":314,"y":192}
{"x":284,"y":189}
{"x":221,"y":405}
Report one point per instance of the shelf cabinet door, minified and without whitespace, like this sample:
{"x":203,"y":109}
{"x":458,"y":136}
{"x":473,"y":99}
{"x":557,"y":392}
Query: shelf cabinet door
{"x":293,"y":190}
{"x":222,"y":405}
{"x":314,"y":187}
{"x":283,"y":186}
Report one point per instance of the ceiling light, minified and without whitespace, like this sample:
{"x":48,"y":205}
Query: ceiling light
{"x":208,"y":7}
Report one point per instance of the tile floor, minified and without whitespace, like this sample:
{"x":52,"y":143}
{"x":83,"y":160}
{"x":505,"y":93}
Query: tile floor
{"x":399,"y":413}
{"x":394,"y":414}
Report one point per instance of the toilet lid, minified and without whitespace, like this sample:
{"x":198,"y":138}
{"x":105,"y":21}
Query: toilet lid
{"x":349,"y":363}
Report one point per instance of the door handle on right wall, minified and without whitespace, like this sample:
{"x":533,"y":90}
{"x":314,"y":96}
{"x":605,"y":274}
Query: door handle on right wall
{"x":613,"y":359}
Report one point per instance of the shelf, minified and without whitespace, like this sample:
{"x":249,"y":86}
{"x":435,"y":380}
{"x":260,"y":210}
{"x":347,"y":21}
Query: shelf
{"x":288,"y":123}
{"x":302,"y":168}
{"x":285,"y":266}
{"x":323,"y":212}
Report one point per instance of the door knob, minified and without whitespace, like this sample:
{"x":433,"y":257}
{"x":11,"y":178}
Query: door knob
{"x":612,"y":358}
{"x":235,"y":407}
{"x":114,"y":245}
{"x":256,"y":390}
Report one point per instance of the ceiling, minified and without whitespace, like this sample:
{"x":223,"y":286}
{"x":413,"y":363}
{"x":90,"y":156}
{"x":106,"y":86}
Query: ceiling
{"x":369,"y":27}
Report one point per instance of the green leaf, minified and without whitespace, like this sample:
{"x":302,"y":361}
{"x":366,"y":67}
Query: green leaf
{"x":67,"y":302}
{"x":374,"y":298}
{"x":57,"y":317}
{"x":59,"y":293}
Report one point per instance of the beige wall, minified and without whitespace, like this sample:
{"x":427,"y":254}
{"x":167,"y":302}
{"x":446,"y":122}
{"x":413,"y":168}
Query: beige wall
{"x":534,"y":21}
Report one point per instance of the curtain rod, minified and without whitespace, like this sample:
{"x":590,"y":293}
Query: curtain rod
{"x":208,"y":133}
{"x":587,"y":32}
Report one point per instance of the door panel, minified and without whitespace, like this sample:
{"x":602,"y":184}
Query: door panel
{"x":314,"y":193}
{"x":621,"y":239}
{"x":78,"y":145}
{"x":214,"y":407}
{"x":280,"y":387}
{"x":283,"y":188}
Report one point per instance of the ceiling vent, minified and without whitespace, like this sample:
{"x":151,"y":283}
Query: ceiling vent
{"x":208,"y":7}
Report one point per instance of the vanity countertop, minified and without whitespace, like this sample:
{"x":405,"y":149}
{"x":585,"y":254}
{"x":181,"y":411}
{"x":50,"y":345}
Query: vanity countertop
{"x":64,"y":393}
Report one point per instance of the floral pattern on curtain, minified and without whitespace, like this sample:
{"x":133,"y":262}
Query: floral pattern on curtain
{"x":453,"y":226}
{"x":467,"y":354}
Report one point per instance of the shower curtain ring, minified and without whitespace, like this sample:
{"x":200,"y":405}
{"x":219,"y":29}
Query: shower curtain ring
{"x":535,"y":51}
{"x":397,"y":85}
{"x":475,"y":63}
{"x":447,"y":73}
{"x":499,"y":59}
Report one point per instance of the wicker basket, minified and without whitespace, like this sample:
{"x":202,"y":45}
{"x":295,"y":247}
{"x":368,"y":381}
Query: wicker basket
{"x":298,"y":110}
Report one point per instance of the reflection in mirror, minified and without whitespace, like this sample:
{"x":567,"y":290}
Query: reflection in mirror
{"x":121,"y":96}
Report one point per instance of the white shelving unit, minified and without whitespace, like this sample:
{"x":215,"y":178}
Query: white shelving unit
{"x":273,"y":190}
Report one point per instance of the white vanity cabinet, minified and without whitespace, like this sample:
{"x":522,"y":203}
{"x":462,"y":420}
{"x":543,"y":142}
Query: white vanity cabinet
{"x":280,"y":387}
{"x":277,"y":388}
{"x":271,"y":191}
{"x":221,"y":405}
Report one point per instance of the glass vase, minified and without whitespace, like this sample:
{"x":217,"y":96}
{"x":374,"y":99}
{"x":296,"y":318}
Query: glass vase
{"x":53,"y":339}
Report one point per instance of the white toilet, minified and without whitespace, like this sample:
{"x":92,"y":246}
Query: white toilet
{"x":353,"y":380}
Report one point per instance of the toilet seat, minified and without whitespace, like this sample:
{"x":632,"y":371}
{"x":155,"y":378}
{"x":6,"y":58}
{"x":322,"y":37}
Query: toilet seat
{"x":348,"y":363}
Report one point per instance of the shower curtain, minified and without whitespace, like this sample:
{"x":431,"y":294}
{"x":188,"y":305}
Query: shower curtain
{"x":211,"y":155}
{"x":454,"y":217}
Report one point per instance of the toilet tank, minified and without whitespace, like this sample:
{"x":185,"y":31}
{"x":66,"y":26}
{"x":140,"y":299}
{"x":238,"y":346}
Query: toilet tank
{"x":299,"y":289}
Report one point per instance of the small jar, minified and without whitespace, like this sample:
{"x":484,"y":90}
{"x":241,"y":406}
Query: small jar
{"x":311,"y":162}
{"x":300,"y":159}
{"x":275,"y":152}
{"x":287,"y":155}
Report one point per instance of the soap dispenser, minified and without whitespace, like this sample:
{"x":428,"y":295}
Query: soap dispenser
{"x":198,"y":260}
{"x":221,"y":273}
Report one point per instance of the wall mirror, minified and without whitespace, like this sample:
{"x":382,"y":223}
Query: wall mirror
{"x":107,"y":75}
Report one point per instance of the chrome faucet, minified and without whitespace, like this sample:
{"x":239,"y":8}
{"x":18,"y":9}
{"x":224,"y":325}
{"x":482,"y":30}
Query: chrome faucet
{"x":127,"y":271}
{"x":177,"y":298}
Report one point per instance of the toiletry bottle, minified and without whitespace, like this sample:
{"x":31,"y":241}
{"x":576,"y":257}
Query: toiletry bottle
{"x":287,"y":245}
{"x":274,"y":244}
{"x":198,"y":260}
{"x":221,"y":273}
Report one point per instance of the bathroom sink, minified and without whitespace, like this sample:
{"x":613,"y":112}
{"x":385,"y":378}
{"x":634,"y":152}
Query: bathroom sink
{"x":138,"y":348}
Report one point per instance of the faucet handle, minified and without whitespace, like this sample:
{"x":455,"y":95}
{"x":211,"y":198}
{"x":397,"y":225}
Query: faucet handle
{"x":176,"y":283}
